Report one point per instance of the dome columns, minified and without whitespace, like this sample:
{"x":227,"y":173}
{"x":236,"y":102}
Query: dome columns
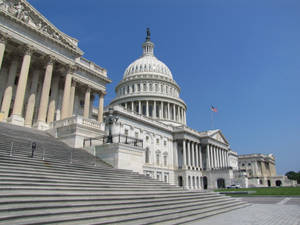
{"x":160,"y":110}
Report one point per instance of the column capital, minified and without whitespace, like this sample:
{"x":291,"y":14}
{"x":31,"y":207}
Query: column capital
{"x":50,"y":59}
{"x":70,"y":68}
{"x":74,"y":82}
{"x":28,"y":50}
{"x":4,"y":38}
{"x":102,"y":93}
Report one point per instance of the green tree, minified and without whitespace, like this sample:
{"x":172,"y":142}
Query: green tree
{"x":292,"y":175}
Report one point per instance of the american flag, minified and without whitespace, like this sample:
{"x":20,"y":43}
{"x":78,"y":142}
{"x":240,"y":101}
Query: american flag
{"x":213,"y":109}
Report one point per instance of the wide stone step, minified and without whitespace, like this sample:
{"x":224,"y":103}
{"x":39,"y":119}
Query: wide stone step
{"x":183,"y":217}
{"x":8,"y":178}
{"x":69,"y":168}
{"x":191,"y":218}
{"x":20,"y":203}
{"x":117,"y":216}
{"x":138,"y":207}
{"x":50,"y":185}
{"x":14,"y":196}
{"x":98,"y":177}
{"x":33,"y":163}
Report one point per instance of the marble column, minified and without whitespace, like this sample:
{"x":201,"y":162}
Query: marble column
{"x":217,"y":156}
{"x":192,"y":153}
{"x":7,"y":96}
{"x":174,"y":112}
{"x":66,"y":96}
{"x":208,"y":165}
{"x":223,"y":161}
{"x":100,"y":108}
{"x":184,"y":164}
{"x":72,"y":98}
{"x":87,"y":99}
{"x":140,"y":107}
{"x":200,"y":157}
{"x":16,"y":117}
{"x":32,"y":99}
{"x":3,"y":41}
{"x":189,"y":154}
{"x":53,"y":99}
{"x":3,"y":81}
{"x":45,"y":91}
{"x":213,"y":164}
{"x":181,"y":115}
{"x":126,"y":105}
{"x":161,"y":110}
{"x":227,"y":163}
{"x":169,"y":113}
{"x":147,"y":108}
{"x":197,"y":155}
{"x":132,"y":106}
{"x":154,"y":110}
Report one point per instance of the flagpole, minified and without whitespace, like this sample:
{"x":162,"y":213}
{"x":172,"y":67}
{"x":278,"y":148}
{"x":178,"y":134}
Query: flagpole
{"x":212,"y":120}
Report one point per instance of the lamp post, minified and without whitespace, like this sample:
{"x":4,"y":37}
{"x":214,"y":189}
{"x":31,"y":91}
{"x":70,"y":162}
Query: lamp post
{"x":109,"y":121}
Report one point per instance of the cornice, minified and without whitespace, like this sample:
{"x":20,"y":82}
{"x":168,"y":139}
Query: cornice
{"x":27,"y":16}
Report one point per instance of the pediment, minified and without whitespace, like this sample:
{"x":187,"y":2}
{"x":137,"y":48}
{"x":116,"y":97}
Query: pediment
{"x":23,"y":12}
{"x":219,"y":137}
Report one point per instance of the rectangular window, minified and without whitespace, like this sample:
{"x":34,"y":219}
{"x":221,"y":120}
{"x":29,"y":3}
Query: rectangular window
{"x":165,"y":160}
{"x":126,"y":132}
{"x":157,"y":159}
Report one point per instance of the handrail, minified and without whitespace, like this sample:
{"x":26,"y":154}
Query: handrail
{"x":120,"y":138}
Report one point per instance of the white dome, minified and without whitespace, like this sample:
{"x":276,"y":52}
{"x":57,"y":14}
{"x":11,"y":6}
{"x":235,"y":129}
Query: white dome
{"x":148,"y":64}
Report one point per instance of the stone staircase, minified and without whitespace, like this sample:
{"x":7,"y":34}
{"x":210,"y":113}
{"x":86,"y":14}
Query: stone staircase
{"x":88,"y":191}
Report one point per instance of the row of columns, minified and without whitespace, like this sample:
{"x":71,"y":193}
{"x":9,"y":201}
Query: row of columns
{"x":158,"y":110}
{"x":216,"y":157}
{"x":192,"y":156}
{"x":47,"y":103}
{"x":147,"y":87}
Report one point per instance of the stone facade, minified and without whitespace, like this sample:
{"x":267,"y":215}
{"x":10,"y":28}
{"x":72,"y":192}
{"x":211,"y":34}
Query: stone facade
{"x":44,"y":78}
{"x":47,"y":84}
{"x":260,"y":171}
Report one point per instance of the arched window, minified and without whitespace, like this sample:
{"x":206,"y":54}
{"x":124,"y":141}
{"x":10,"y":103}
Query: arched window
{"x":147,"y":155}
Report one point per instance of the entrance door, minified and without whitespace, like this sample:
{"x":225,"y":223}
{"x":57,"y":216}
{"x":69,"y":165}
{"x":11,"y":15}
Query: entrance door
{"x":180,"y":181}
{"x":269,"y":183}
{"x":221,"y":183}
{"x":204,"y":183}
{"x":278,"y":183}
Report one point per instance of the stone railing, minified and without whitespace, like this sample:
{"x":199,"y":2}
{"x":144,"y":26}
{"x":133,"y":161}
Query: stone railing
{"x":141,"y":117}
{"x":78,"y":120}
{"x":92,"y":66}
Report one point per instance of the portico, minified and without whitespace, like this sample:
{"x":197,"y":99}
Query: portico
{"x":44,"y":82}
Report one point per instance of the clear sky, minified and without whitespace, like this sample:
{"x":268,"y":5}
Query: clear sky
{"x":241,"y":56}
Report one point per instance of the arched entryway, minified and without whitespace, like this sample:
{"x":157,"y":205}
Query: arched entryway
{"x":204,"y":183}
{"x":278,"y":183}
{"x":269,"y":183}
{"x":221,"y":183}
{"x":180,"y":181}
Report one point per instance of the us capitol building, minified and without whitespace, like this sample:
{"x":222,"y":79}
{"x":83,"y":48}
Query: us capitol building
{"x":47,"y":84}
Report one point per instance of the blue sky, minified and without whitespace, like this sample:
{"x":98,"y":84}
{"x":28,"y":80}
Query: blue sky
{"x":243,"y":57}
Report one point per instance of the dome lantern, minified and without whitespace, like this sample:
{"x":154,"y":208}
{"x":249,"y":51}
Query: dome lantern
{"x":148,"y":46}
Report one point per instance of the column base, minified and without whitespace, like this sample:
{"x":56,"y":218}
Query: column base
{"x":40,"y":125}
{"x":16,"y":120}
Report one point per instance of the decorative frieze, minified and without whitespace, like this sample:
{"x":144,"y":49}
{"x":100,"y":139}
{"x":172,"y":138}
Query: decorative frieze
{"x":21,"y":11}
